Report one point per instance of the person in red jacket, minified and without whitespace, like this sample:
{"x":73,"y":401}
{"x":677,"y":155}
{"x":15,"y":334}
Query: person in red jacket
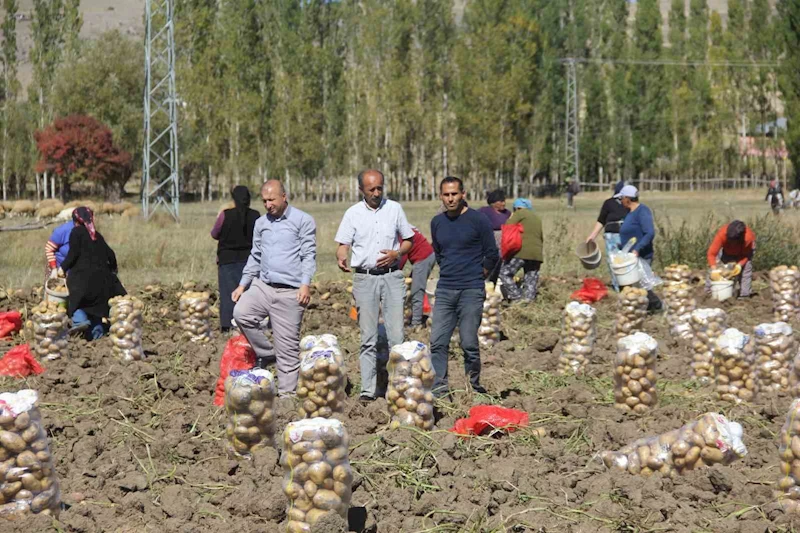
{"x":734,"y":243}
{"x":423,"y":259}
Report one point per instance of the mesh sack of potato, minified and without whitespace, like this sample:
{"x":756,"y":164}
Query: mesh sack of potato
{"x":784,"y":284}
{"x":707,"y":325}
{"x":735,"y":369}
{"x":28,"y":482}
{"x":326,"y":341}
{"x":773,"y":347}
{"x":320,"y":387}
{"x":411,"y":377}
{"x":49,"y":325}
{"x":489,"y":332}
{"x":126,"y":327}
{"x":195,"y":313}
{"x":317,"y":475}
{"x":631,"y":312}
{"x":249,"y":395}
{"x":676,"y":273}
{"x":577,"y":338}
{"x":635,"y":373}
{"x":709,"y":440}
{"x":788,"y":487}
{"x":679,"y":305}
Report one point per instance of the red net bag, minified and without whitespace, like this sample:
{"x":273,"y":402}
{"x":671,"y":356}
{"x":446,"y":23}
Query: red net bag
{"x":238,"y":355}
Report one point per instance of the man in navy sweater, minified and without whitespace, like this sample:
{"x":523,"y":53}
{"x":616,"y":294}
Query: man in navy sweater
{"x":466,"y":252}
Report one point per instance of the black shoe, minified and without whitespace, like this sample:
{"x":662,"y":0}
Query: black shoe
{"x":479,"y":389}
{"x":262,"y":363}
{"x":366,"y":399}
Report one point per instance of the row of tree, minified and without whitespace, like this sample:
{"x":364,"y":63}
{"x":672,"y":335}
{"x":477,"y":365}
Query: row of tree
{"x":312,"y":91}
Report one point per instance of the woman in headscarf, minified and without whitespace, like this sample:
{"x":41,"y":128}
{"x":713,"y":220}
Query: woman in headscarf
{"x":497,"y":214}
{"x":612,"y":214}
{"x":92,"y":280}
{"x":530,"y":256}
{"x":234,"y":232}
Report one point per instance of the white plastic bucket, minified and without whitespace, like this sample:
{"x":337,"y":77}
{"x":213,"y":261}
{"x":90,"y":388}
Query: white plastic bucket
{"x":589,"y":254}
{"x":627,"y":272}
{"x":56,"y":296}
{"x":722,"y":290}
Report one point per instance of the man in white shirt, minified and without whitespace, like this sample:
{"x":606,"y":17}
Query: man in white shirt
{"x":373,"y":229}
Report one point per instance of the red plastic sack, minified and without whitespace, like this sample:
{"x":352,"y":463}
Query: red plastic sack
{"x":591,"y":291}
{"x":238,"y":355}
{"x":426,"y":305}
{"x":19,"y":362}
{"x":489,"y":417}
{"x":510,"y":240}
{"x":10,"y":322}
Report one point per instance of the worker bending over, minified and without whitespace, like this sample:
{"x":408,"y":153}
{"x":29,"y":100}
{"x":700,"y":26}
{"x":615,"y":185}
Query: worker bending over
{"x":734,"y":243}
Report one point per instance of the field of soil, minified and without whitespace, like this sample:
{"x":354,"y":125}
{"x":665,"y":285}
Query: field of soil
{"x":139,"y":447}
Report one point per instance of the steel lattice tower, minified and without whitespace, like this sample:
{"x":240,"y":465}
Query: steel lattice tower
{"x":160,"y":177}
{"x":571,"y":149}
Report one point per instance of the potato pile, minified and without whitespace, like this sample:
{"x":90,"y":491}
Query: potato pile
{"x":679,"y":306}
{"x":676,"y":273}
{"x":126,"y":327}
{"x":721,"y":272}
{"x":27,"y":476}
{"x":411,"y":377}
{"x":784,"y":282}
{"x":489,"y":332}
{"x":635,"y":373}
{"x":707,"y":325}
{"x":49,"y":325}
{"x":709,"y":440}
{"x":317,"y":475}
{"x":632,"y":311}
{"x":773,"y":347}
{"x":735,"y":369}
{"x":195,"y":313}
{"x":577,"y":338}
{"x":251,"y":420}
{"x":788,"y":492}
{"x":320,"y":387}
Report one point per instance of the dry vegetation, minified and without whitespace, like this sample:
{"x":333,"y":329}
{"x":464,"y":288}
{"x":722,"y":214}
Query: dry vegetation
{"x":166,"y":252}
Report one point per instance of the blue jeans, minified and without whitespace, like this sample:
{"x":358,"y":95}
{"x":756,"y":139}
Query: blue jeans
{"x":95,"y":330}
{"x":462,"y":308}
{"x":613,"y":244}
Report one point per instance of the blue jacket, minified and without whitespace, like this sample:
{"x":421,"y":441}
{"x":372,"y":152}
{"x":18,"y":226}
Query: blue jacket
{"x":639,"y":224}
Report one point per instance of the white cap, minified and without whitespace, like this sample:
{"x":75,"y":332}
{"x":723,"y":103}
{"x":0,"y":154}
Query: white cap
{"x":629,"y":191}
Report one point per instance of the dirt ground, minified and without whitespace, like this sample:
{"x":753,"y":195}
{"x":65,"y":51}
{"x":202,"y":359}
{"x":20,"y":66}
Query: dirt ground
{"x":139,"y":447}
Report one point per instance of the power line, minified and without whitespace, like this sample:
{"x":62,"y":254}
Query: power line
{"x":571,"y":126}
{"x":669,"y":62}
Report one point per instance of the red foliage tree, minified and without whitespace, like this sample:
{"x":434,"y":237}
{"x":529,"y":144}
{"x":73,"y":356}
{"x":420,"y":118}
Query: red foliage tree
{"x":78,"y":148}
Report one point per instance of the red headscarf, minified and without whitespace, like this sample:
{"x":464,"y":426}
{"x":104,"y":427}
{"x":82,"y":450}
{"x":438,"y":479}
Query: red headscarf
{"x":85,"y":217}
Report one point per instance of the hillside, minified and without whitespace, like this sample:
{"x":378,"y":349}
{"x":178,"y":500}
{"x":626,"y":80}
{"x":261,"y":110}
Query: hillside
{"x":98,"y":16}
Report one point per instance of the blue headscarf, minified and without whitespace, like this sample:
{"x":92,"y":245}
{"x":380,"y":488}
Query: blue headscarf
{"x":618,"y":187}
{"x":522,"y":203}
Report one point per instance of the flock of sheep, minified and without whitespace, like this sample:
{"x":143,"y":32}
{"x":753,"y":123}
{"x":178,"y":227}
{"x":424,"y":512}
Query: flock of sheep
{"x":47,"y":210}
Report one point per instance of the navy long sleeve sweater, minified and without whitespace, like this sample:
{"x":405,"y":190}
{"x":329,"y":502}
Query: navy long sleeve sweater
{"x":464,"y":246}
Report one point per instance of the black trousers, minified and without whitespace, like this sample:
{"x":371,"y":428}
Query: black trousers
{"x":228,"y":276}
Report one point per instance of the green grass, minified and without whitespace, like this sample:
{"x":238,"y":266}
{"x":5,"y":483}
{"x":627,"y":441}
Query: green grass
{"x":163,"y":251}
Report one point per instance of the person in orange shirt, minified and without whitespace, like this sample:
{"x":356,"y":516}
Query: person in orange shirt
{"x":734,"y":243}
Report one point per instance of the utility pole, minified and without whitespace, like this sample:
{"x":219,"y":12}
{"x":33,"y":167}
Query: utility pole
{"x":571,"y":148}
{"x":160,"y":178}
